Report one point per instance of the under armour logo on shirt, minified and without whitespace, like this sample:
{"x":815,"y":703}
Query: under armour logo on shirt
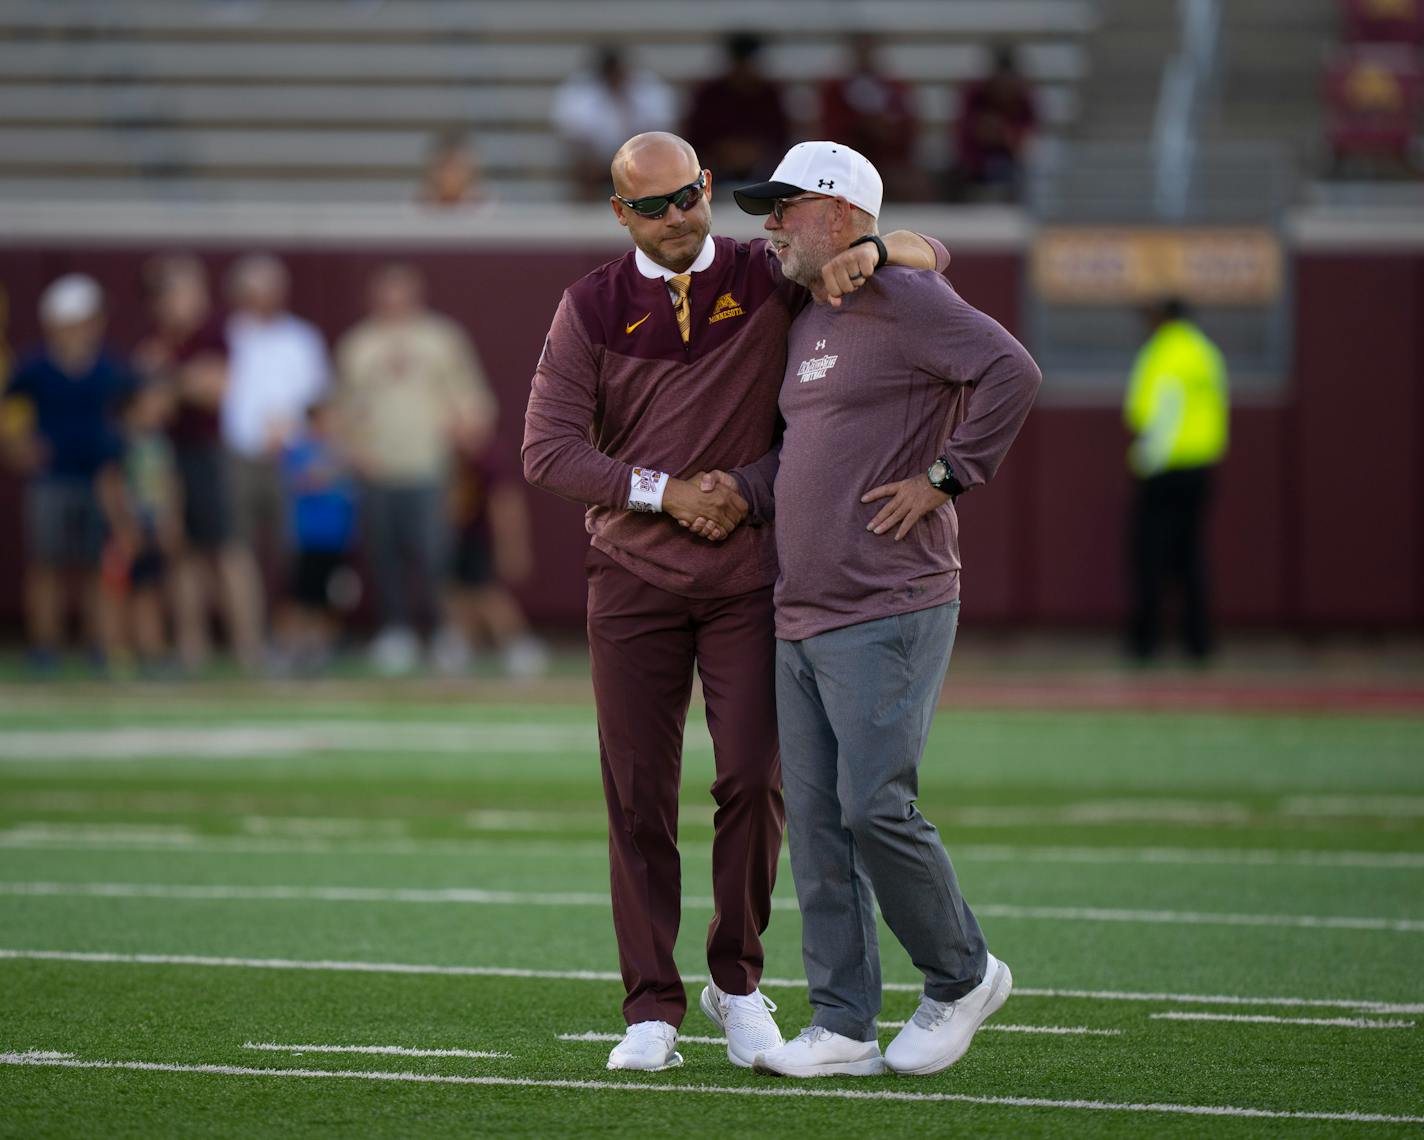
{"x":821,"y":182}
{"x":820,"y":344}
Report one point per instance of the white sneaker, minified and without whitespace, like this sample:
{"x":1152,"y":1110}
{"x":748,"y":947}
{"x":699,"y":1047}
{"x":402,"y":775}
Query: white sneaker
{"x":526,"y":658}
{"x":818,"y":1052}
{"x":746,"y":1021}
{"x":648,"y":1046}
{"x":395,"y":651}
{"x":450,"y":652}
{"x":940,"y":1032}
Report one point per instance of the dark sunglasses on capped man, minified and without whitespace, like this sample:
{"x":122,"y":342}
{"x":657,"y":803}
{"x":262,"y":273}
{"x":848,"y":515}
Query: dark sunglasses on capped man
{"x":656,"y":205}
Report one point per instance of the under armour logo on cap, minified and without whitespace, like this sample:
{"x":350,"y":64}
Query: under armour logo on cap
{"x":821,"y":182}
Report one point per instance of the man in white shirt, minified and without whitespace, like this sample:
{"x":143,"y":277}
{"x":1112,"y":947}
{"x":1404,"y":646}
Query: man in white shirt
{"x":595,"y":111}
{"x":277,"y":368}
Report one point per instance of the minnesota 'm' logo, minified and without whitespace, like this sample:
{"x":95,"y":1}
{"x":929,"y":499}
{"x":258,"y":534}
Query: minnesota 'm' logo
{"x":727,"y":306}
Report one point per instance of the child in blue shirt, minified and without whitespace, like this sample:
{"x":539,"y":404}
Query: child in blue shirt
{"x":321,"y":507}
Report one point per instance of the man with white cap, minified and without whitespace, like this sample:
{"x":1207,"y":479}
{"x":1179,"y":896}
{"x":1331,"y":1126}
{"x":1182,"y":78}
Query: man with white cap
{"x":876,"y":400}
{"x":69,"y":390}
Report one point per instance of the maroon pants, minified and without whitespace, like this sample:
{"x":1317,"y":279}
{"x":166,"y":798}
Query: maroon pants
{"x":644,"y":642}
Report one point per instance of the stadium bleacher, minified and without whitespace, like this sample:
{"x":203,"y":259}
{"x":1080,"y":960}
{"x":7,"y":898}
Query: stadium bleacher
{"x":337,"y":99}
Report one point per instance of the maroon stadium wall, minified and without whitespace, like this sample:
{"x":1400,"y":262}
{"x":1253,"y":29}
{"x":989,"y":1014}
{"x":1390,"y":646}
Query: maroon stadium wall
{"x":1319,"y":522}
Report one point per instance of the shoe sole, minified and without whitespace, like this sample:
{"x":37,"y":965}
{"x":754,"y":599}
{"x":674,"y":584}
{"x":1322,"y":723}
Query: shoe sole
{"x":709,"y":1007}
{"x":870,"y":1067}
{"x":1003,"y":984}
{"x":673,"y":1062}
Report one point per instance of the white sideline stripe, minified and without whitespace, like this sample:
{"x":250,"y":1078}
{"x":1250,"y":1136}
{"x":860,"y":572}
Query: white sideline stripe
{"x":1055,"y":1030}
{"x":777,"y":1092}
{"x":1363,"y":1005}
{"x":393,"y":1050}
{"x":326,"y":837}
{"x":1265,"y":1019}
{"x":480,"y":897}
{"x":198,"y":742}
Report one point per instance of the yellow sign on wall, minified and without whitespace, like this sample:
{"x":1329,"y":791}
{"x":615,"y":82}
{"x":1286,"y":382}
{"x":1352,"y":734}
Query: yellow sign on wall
{"x":1116,"y":266}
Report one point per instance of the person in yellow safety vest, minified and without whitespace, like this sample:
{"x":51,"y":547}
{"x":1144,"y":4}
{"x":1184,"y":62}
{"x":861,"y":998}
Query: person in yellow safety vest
{"x":1177,"y":410}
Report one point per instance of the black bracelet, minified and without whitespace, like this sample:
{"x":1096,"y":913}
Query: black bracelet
{"x":882,"y":253}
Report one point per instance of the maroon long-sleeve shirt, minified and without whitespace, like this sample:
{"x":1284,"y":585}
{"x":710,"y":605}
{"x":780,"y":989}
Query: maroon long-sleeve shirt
{"x":902,"y":372}
{"x":617,"y":389}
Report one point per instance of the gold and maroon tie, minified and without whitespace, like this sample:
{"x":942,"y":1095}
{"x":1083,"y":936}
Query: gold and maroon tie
{"x":680,"y":286}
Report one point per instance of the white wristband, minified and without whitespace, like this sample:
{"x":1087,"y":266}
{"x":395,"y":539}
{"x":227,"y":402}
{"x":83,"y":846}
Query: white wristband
{"x":645,"y":490}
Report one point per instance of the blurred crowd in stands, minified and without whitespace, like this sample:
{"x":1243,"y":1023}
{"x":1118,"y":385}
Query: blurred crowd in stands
{"x":740,"y":123}
{"x":1374,"y":90}
{"x":228,"y":467}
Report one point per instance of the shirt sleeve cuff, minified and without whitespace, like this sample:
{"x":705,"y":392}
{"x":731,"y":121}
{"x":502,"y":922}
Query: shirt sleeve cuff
{"x":645,"y":489}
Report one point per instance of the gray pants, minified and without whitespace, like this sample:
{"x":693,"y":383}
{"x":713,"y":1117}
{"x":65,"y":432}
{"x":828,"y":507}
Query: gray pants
{"x":406,"y":541}
{"x":854,"y":708}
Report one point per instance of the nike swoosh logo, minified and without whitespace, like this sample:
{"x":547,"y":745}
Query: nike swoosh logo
{"x":635,"y":324}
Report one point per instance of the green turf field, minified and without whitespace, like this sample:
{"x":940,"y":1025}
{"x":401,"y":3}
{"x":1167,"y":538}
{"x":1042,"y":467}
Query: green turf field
{"x":1215,"y":924}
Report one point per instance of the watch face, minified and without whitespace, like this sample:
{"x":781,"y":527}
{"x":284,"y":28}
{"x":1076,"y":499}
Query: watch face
{"x":938,"y":470}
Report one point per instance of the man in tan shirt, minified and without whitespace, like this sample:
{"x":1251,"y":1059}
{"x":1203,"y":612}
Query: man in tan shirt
{"x":411,"y":390}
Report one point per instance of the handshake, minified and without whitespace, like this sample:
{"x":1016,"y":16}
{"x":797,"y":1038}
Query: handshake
{"x":709,"y":504}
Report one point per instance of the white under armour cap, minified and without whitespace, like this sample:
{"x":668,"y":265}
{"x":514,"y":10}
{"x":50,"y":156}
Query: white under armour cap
{"x":818,"y":168}
{"x":70,"y":299}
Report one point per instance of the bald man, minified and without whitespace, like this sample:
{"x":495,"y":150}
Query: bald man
{"x":660,"y":365}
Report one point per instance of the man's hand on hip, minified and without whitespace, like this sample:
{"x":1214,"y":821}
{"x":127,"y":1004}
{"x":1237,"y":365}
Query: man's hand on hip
{"x":705,"y":504}
{"x":910,"y":500}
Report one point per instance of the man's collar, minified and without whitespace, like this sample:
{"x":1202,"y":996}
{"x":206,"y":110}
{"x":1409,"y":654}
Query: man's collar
{"x":650,"y":268}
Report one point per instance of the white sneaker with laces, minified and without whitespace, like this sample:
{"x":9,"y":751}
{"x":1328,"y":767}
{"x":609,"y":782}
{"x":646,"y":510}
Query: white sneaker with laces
{"x":746,"y":1021}
{"x":818,"y":1052}
{"x":940,"y":1032}
{"x":649,"y":1046}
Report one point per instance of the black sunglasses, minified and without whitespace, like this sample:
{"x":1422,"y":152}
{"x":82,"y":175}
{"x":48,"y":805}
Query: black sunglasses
{"x":779,"y":206}
{"x":656,"y":205}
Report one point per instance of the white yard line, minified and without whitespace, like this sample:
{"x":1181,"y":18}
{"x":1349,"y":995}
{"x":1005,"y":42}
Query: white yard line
{"x":476,"y":896}
{"x":276,"y":835}
{"x":1052,"y":1030}
{"x":1264,"y":1019}
{"x":774,"y":1091}
{"x":1362,"y":1005}
{"x":391,"y":1050}
{"x":682,"y":1038}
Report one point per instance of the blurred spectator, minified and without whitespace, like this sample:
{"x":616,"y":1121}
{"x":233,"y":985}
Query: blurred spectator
{"x":411,"y":388}
{"x":737,"y":121}
{"x":996,"y":117}
{"x":596,"y":111}
{"x":1176,"y":408}
{"x":67,"y":394}
{"x":321,"y":503}
{"x":186,"y":349}
{"x":874,"y":113}
{"x":145,"y":526}
{"x":277,"y":369}
{"x":452,"y":172}
{"x":492,"y":553}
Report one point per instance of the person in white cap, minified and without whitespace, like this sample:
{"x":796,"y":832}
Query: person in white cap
{"x":881,"y":436}
{"x":69,"y":390}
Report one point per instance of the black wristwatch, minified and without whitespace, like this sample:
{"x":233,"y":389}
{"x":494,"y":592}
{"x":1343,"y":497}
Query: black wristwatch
{"x":941,"y":477}
{"x":882,"y":254}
